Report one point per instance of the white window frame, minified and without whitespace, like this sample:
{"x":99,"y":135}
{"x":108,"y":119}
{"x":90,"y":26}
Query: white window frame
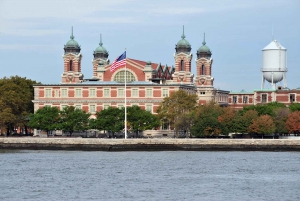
{"x":78,"y":93}
{"x":92,"y":108}
{"x":262,"y":98}
{"x":149,"y":107}
{"x":78,"y":106}
{"x":165,"y":93}
{"x":120,"y":93}
{"x":62,"y":106}
{"x":120,"y":106}
{"x":56,"y":93}
{"x":92,"y":92}
{"x":106,"y":95}
{"x":294,"y":101}
{"x":133,"y":95}
{"x":48,"y":93}
{"x":247,"y":99}
{"x":234,"y":99}
{"x":105,"y":106}
{"x":64,"y":93}
{"x":149,"y":93}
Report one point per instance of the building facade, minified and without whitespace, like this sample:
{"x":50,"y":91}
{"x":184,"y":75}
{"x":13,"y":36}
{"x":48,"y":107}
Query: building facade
{"x":147,"y":83}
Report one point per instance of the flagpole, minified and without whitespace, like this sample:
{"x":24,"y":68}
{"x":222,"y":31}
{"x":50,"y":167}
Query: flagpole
{"x":125,"y":122}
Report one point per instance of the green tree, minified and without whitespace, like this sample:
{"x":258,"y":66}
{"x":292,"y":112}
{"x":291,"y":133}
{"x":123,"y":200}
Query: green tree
{"x":46,"y":119}
{"x":73,"y":119}
{"x":205,"y":121}
{"x":243,"y":120}
{"x":111,"y":119}
{"x":140,"y":120}
{"x":178,"y":103}
{"x":16,"y":95}
{"x":294,"y":107}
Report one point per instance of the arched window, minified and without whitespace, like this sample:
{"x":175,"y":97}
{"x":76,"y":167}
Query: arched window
{"x":120,"y":77}
{"x":203,"y":70}
{"x":71,"y":65}
{"x":181,"y":65}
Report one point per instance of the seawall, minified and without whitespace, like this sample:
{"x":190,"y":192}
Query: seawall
{"x":94,"y":144}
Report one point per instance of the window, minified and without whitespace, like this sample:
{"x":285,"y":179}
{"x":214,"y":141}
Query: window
{"x":120,"y":77}
{"x":120,"y":92}
{"x":106,"y":92}
{"x":202,"y":92}
{"x":48,"y":93}
{"x":181,"y":65}
{"x":264,"y":98}
{"x":63,"y":106}
{"x":149,"y":93}
{"x":78,"y":93}
{"x":292,"y":98}
{"x":135,"y":93}
{"x":165,"y":92}
{"x":92,"y":108}
{"x":106,"y":106}
{"x":203,"y":70}
{"x":149,"y":108}
{"x":78,"y":107}
{"x":71,"y":65}
{"x":56,"y":93}
{"x":92,"y":93}
{"x":234,"y":99}
{"x":245,"y":99}
{"x":64,"y":93}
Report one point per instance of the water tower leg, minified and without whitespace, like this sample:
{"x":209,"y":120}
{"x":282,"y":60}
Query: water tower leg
{"x":273,"y":85}
{"x":262,"y":82}
{"x":284,"y":80}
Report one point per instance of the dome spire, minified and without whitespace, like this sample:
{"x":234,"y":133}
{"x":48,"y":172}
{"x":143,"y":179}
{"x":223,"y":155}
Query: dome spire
{"x":183,"y":36}
{"x":72,"y":37}
{"x":203,"y":43}
{"x":100,"y":40}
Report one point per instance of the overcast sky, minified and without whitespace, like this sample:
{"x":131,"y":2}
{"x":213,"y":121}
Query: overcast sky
{"x":33,"y":34}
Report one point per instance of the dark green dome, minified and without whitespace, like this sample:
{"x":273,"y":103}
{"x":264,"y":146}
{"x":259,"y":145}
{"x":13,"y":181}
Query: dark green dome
{"x":203,"y":51}
{"x":72,"y":45}
{"x":100,"y":51}
{"x":183,"y":45}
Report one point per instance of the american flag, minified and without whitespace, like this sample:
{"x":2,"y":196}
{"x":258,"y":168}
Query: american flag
{"x":120,"y":61}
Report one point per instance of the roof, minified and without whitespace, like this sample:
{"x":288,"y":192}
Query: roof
{"x":274,"y":45}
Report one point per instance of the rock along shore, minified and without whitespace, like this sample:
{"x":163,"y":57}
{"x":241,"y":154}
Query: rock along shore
{"x":94,"y":144}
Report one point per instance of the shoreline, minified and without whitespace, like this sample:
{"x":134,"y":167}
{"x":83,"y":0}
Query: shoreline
{"x":150,"y":144}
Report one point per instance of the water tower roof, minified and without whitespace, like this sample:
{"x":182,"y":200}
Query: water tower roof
{"x":274,"y":45}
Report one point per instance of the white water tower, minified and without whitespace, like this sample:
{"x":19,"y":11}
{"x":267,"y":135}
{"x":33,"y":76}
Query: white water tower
{"x":274,"y":64}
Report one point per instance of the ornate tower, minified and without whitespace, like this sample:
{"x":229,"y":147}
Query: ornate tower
{"x":100,"y":60}
{"x":183,"y":58}
{"x":204,"y":80}
{"x":204,"y":64}
{"x":72,"y":62}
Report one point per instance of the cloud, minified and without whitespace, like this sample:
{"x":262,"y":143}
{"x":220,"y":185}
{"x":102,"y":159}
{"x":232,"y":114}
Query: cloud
{"x":26,"y":47}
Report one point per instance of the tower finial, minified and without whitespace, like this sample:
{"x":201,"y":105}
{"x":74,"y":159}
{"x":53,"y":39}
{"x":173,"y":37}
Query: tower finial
{"x":72,"y":37}
{"x":203,"y":43}
{"x":100,"y":40}
{"x":183,"y":36}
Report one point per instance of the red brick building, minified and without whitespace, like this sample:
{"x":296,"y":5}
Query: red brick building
{"x":147,"y":82}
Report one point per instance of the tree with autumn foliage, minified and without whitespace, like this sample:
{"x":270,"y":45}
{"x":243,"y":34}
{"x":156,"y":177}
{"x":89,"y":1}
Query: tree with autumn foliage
{"x":226,"y":119}
{"x":262,"y":125}
{"x":176,"y":106}
{"x":293,"y":122}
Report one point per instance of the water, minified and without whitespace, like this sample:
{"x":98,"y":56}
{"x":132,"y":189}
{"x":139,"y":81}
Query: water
{"x":76,"y":175}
